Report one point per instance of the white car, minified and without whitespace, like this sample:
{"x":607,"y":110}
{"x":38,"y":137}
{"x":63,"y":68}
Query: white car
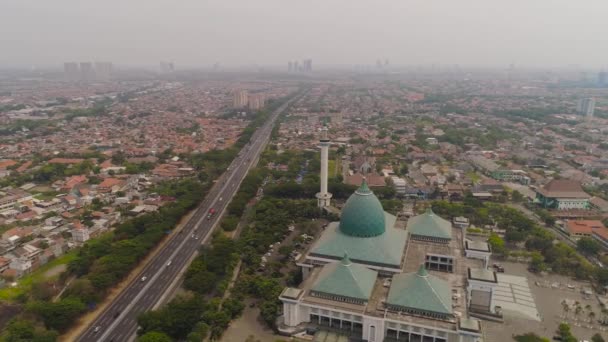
{"x":144,"y":278}
{"x":96,"y":329}
{"x":169,"y":263}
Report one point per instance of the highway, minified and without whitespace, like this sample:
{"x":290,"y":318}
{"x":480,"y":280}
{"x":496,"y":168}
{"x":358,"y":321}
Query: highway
{"x":118,"y":322}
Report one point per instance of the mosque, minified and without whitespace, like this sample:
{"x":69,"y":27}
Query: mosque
{"x":372,"y":278}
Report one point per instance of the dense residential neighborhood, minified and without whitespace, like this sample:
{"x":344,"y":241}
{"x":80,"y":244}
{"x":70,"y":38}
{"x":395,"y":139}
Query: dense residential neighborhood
{"x":481,"y":187}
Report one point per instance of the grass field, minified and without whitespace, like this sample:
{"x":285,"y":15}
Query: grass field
{"x":25,"y":284}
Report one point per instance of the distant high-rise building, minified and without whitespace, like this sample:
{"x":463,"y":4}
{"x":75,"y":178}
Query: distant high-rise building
{"x":289,"y":66}
{"x":296,"y":66}
{"x":71,"y":71}
{"x":307,"y":65}
{"x":602,"y":78}
{"x":586,"y":107}
{"x":256,"y":101}
{"x":240,"y":99}
{"x":103,"y":71}
{"x":87,"y":72}
{"x":167,"y":67}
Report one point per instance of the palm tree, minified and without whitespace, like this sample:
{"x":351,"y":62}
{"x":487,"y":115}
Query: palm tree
{"x":577,"y":311}
{"x":591,"y":315}
{"x":566,"y":308}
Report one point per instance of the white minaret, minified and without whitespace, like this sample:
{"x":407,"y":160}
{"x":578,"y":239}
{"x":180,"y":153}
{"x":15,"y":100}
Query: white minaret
{"x":323,"y":196}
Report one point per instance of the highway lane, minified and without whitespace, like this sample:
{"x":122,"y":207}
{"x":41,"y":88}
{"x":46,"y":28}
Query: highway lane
{"x":118,"y":322}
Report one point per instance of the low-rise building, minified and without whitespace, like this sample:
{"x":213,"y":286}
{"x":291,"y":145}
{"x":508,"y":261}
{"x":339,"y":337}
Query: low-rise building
{"x":80,"y":233}
{"x":12,"y":198}
{"x":399,"y":184}
{"x":562,"y":194}
{"x":583,"y":228}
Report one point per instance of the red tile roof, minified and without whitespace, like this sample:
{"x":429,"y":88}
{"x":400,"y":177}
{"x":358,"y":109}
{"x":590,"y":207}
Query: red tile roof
{"x":6,"y":163}
{"x":372,"y":180}
{"x":65,"y":161}
{"x":584,"y":226}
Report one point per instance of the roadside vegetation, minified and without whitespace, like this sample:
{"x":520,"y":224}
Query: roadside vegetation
{"x":521,"y":233}
{"x":104,"y":261}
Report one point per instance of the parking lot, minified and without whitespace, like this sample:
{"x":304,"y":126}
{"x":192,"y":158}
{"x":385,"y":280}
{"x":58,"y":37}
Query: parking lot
{"x":548,"y":293}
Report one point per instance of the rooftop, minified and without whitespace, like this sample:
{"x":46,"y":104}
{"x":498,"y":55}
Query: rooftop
{"x":563,"y":188}
{"x":346,"y":279}
{"x":381,"y":250}
{"x":430,"y":225}
{"x":585,"y":227}
{"x":477,"y":245}
{"x":482,"y":274}
{"x":420,"y":291}
{"x":362,"y":215}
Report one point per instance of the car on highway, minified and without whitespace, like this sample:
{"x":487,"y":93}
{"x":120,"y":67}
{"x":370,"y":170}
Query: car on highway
{"x":144,"y":278}
{"x":221,"y":199}
{"x":169,"y":263}
{"x":116,"y":314}
{"x":97,"y":328}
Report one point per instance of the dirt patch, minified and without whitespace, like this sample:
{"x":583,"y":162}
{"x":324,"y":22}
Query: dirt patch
{"x":250,"y":324}
{"x":55,"y":271}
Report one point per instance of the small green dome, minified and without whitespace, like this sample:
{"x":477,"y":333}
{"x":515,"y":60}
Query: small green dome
{"x":362,"y":214}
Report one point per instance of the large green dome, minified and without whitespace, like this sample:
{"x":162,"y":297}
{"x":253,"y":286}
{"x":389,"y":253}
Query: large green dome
{"x":362,"y":214}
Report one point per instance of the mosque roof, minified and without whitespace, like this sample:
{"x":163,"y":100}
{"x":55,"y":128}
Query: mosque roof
{"x":420,"y":291}
{"x":362,"y":215}
{"x":385,"y":250}
{"x":431,"y":225}
{"x":347,"y":279}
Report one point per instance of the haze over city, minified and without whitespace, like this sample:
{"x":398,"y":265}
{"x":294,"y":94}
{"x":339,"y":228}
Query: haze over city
{"x":298,"y":171}
{"x":471,"y":33}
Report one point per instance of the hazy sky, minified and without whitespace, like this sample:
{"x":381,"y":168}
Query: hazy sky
{"x":270,"y":32}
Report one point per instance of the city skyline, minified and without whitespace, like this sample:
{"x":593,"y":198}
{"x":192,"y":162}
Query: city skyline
{"x":470,"y":33}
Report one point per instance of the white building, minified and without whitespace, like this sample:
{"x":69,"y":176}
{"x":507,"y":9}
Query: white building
{"x":80,"y":234}
{"x":399,"y":184}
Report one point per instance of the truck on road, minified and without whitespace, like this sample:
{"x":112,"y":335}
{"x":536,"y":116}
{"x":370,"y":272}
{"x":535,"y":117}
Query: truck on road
{"x":211,"y":213}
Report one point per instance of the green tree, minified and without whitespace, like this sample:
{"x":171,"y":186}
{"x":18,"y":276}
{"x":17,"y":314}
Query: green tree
{"x":516,"y":196}
{"x":59,"y":315}
{"x":564,"y":332}
{"x":530,"y":337}
{"x":21,"y":330}
{"x":177,"y":319}
{"x":588,"y":246}
{"x":597,"y":338}
{"x":497,"y":243}
{"x":537,"y":264}
{"x":154,"y":336}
